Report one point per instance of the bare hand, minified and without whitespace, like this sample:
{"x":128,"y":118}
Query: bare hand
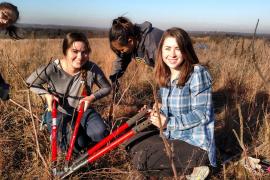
{"x":49,"y":99}
{"x":87,"y":101}
{"x":155,"y":120}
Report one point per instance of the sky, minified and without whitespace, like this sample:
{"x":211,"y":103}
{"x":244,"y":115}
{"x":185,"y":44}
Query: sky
{"x":191,"y":15}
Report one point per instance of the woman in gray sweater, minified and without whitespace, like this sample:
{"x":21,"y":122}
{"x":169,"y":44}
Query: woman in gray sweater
{"x":63,"y":78}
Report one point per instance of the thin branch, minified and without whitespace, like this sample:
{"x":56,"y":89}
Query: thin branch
{"x":169,"y":148}
{"x":131,"y":81}
{"x":15,"y":69}
{"x":35,"y":133}
{"x":253,"y":59}
{"x":241,"y":123}
{"x":17,"y":104}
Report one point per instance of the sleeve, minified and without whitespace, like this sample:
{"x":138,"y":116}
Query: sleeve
{"x":119,"y":66}
{"x":201,"y":104}
{"x":102,"y":82}
{"x":2,"y":81}
{"x":37,"y":79}
{"x":4,"y":89}
{"x":151,"y":45}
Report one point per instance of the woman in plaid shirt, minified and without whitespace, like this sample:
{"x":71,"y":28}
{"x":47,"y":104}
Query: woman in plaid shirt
{"x":186,"y":112}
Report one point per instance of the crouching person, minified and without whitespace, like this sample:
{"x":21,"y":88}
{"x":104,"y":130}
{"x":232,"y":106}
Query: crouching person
{"x":186,"y":113}
{"x":63,"y":78}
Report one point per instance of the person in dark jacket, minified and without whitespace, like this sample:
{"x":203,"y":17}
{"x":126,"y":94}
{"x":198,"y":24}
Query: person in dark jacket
{"x":132,"y":41}
{"x":9,"y":14}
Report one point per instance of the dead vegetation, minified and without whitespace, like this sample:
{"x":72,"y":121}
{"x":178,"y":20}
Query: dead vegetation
{"x":240,"y":97}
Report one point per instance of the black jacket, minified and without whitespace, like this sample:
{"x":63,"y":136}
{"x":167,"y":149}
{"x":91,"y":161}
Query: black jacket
{"x":4,"y":89}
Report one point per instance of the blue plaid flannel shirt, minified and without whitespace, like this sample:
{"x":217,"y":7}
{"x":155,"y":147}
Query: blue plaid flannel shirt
{"x":189,"y":111}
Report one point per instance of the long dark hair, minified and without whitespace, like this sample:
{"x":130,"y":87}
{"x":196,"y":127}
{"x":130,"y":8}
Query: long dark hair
{"x":122,"y":29}
{"x":162,"y":71}
{"x":11,"y":30}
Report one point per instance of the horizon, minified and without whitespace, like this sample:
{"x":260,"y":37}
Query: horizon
{"x":223,"y":16}
{"x":106,"y":29}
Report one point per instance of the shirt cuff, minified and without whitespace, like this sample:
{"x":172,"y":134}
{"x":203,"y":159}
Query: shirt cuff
{"x":180,"y":123}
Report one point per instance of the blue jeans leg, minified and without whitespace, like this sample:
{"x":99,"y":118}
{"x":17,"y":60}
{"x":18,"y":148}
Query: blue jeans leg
{"x":63,"y":128}
{"x":94,"y":125}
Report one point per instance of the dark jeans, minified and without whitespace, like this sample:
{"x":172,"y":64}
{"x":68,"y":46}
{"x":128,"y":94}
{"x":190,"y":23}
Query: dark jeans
{"x":4,"y":89}
{"x":92,"y":129}
{"x":149,"y":156}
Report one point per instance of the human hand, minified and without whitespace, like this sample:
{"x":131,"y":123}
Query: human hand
{"x":49,"y":99}
{"x":156,"y":106}
{"x":87,"y":101}
{"x":154,"y":118}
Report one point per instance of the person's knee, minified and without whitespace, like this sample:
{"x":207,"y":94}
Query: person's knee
{"x":97,"y":134}
{"x":95,"y":127}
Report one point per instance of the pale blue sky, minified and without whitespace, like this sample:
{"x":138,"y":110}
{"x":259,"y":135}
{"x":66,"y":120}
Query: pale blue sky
{"x":200,"y":15}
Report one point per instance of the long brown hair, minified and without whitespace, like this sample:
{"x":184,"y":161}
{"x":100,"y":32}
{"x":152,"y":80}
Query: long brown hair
{"x":162,"y":71}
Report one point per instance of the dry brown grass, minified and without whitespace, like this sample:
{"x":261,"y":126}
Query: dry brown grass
{"x":235,"y":82}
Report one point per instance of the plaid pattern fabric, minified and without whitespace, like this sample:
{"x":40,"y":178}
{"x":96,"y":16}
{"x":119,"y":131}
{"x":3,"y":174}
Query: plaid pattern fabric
{"x":189,"y":111}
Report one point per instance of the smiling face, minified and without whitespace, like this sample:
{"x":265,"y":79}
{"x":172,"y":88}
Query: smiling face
{"x":76,"y":56}
{"x":171,"y":54}
{"x":7,"y":17}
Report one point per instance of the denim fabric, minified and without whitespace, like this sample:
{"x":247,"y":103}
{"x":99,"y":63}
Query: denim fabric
{"x":4,"y":89}
{"x":92,"y":129}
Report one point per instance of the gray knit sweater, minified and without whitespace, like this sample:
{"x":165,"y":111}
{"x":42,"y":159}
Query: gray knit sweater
{"x":65,"y":86}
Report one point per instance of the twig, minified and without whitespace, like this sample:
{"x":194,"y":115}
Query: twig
{"x":224,"y":172}
{"x":253,"y":59}
{"x":169,"y":148}
{"x":17,"y":104}
{"x":15,"y":68}
{"x":35,"y":133}
{"x":134,"y":75}
{"x":245,"y":151}
{"x":111,"y":115}
{"x":241,"y":123}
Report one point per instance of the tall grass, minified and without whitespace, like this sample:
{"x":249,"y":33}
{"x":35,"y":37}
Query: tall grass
{"x":235,"y":82}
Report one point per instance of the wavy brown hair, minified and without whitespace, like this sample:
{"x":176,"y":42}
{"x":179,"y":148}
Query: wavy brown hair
{"x":162,"y":71}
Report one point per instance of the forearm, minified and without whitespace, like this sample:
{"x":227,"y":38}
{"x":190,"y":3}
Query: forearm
{"x":102,"y":93}
{"x":119,"y":67}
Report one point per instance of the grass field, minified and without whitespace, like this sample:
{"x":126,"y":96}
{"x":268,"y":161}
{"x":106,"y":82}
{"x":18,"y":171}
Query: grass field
{"x":241,"y":90}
